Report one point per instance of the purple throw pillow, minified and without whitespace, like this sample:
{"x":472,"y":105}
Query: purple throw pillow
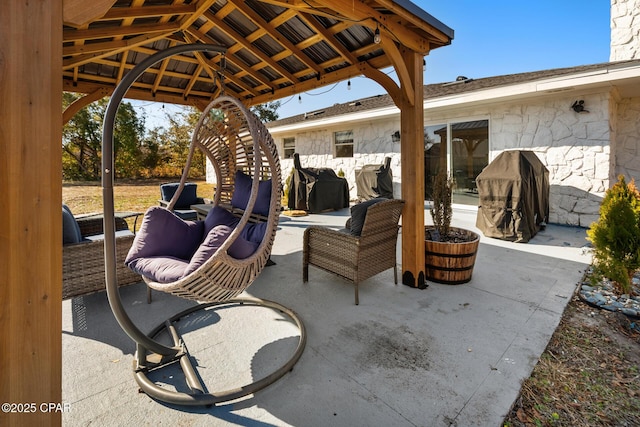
{"x":219,"y":216}
{"x":212,"y":242}
{"x":239,"y":249}
{"x":254,"y":232}
{"x":164,"y":234}
{"x":242,"y":193}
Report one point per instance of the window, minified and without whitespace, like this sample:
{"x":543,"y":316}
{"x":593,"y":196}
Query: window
{"x":461,"y":148}
{"x":344,"y":143}
{"x":288,"y":147}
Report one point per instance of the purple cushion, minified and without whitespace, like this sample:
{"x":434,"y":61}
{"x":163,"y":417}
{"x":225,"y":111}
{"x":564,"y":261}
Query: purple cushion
{"x":254,"y":232}
{"x":219,"y":216}
{"x":239,"y":249}
{"x":242,"y":248}
{"x":212,"y":242}
{"x":242,"y":193}
{"x":164,"y":234}
{"x":160,"y":269}
{"x":167,"y":248}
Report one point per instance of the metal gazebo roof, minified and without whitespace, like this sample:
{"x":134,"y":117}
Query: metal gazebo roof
{"x":275,"y":48}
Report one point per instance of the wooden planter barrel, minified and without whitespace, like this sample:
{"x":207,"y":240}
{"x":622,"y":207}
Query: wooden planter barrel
{"x":450,"y":263}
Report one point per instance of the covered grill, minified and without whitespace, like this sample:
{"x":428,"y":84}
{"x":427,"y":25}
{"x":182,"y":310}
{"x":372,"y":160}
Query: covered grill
{"x":317,"y":189}
{"x":373,"y":181}
{"x":514,"y":196}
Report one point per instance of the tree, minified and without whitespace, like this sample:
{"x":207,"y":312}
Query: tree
{"x":82,"y":140}
{"x":267,"y":112}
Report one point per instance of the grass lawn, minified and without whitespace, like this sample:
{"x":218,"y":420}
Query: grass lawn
{"x":134,"y":195}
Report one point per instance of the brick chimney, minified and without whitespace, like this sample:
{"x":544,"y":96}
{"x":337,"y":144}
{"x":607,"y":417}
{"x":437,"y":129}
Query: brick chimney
{"x":625,"y":30}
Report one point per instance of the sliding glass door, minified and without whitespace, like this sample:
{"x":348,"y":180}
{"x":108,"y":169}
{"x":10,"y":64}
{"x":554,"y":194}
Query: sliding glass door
{"x":461,"y":148}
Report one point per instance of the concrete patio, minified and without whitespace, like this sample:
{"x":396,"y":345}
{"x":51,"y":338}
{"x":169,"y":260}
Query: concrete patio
{"x":443,"y":356}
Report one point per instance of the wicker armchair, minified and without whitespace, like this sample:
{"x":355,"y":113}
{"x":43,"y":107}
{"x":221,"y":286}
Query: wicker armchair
{"x":83,"y":262}
{"x":356,"y":258}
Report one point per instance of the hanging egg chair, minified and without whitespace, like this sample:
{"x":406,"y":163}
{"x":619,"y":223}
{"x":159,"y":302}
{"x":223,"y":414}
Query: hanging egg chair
{"x":211,"y":261}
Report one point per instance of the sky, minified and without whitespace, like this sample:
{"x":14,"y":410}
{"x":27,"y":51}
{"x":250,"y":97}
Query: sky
{"x":492,"y":38}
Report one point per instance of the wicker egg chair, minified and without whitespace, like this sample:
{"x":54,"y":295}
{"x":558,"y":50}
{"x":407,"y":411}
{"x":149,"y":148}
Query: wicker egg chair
{"x":236,"y":142}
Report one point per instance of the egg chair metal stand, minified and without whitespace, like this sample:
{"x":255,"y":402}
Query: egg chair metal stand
{"x":234,"y":140}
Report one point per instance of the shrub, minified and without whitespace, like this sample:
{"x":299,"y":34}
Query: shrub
{"x":616,"y":235}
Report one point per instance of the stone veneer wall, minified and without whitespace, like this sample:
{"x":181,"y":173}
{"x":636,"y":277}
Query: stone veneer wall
{"x":625,"y":30}
{"x":626,"y":150}
{"x":372,"y":143}
{"x":583,"y":152}
{"x":574,"y":147}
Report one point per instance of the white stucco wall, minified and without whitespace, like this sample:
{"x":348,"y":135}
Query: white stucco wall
{"x":625,"y":30}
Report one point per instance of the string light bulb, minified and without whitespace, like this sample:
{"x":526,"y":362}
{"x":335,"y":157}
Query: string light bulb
{"x":376,"y":35}
{"x":424,"y":65}
{"x":348,"y":84}
{"x":299,"y":99}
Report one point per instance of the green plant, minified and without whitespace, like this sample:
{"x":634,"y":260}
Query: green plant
{"x":341,"y":173}
{"x":441,"y":210}
{"x":616,"y":235}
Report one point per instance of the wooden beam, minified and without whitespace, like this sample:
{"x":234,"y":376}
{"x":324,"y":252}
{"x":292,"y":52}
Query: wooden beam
{"x":241,"y":42}
{"x":406,"y":80}
{"x":129,"y":44}
{"x":412,"y":175}
{"x":119,"y":31}
{"x":272,"y":31}
{"x":205,"y":38}
{"x":82,"y":102}
{"x":148,"y":11}
{"x":436,"y":34}
{"x":30,"y":206}
{"x":357,"y":10}
{"x":385,"y":81}
{"x":80,"y":12}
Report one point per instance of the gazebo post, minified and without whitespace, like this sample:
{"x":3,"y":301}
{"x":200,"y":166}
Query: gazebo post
{"x":412,"y":175}
{"x":31,"y":233}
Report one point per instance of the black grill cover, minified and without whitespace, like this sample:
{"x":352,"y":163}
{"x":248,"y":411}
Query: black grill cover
{"x":514,"y":196}
{"x":317,"y":189}
{"x":375,"y":181}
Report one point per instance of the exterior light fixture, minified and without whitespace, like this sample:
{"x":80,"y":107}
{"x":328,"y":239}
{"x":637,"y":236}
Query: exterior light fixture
{"x":395,"y":137}
{"x":376,"y":35}
{"x":578,"y":106}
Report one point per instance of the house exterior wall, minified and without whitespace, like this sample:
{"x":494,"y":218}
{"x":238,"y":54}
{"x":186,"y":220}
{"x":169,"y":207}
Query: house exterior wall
{"x":575,"y":147}
{"x":625,"y":30}
{"x":626,"y":140}
{"x":372,"y":143}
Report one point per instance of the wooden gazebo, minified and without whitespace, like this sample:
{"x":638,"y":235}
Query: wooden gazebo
{"x":275,"y":48}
